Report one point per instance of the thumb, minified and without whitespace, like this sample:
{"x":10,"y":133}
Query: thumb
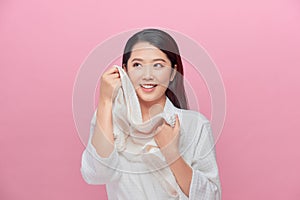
{"x":177,"y":123}
{"x":158,"y":129}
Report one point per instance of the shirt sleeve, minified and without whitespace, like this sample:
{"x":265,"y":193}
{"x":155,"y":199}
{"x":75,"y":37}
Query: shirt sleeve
{"x":205,"y":184}
{"x":96,"y":169}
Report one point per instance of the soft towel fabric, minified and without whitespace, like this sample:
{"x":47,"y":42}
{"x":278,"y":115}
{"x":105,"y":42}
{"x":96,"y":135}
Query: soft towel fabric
{"x":127,"y":118}
{"x":134,"y":138}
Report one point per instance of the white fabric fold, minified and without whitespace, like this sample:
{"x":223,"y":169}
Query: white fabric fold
{"x":134,"y":138}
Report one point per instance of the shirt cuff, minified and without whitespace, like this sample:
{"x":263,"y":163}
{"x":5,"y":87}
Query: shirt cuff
{"x":110,"y":161}
{"x":202,"y":188}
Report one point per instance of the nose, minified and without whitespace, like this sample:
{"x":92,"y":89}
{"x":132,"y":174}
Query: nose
{"x":148,"y":72}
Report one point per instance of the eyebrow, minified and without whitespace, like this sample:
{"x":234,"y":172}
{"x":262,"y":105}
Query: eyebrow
{"x":156,"y":59}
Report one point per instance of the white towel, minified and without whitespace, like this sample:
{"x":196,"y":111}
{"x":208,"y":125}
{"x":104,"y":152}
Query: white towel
{"x":134,"y":138}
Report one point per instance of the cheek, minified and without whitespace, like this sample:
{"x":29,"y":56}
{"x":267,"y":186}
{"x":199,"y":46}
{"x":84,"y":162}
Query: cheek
{"x":161,"y":77}
{"x":164,"y":79}
{"x":135,"y":77}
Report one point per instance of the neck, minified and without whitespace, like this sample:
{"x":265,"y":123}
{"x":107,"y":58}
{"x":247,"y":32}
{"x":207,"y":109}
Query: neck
{"x":150,"y":109}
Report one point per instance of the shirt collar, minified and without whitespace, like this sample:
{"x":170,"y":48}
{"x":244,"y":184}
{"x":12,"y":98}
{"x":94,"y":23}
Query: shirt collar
{"x":169,"y":107}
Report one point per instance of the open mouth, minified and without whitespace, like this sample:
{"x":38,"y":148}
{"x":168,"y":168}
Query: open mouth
{"x":148,"y":86}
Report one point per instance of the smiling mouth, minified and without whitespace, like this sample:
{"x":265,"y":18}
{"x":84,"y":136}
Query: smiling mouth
{"x":148,"y":86}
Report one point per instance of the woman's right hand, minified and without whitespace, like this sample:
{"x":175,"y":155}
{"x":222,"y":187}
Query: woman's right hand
{"x":109,"y":84}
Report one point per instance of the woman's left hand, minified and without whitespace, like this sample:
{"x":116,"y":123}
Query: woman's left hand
{"x":167,"y":139}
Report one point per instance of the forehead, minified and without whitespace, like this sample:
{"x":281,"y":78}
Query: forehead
{"x":146,"y":51}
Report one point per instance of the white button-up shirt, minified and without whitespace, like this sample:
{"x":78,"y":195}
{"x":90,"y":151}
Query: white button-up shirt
{"x":196,"y":145}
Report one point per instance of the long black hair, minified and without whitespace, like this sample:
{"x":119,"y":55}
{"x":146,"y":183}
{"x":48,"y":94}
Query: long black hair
{"x":163,"y":41}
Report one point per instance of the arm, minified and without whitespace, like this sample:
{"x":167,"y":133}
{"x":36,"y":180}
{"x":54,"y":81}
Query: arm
{"x":103,"y":138}
{"x":96,"y":169}
{"x":167,"y":139}
{"x":100,"y":157}
{"x":200,"y":180}
{"x":205,"y":183}
{"x":183,"y":174}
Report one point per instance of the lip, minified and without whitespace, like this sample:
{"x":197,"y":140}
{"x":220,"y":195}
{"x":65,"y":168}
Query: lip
{"x":148,"y":87}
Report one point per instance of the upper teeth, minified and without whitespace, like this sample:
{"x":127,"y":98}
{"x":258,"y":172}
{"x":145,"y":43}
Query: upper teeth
{"x":147,"y":86}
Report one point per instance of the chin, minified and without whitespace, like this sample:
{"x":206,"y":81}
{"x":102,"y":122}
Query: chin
{"x":146,"y":99}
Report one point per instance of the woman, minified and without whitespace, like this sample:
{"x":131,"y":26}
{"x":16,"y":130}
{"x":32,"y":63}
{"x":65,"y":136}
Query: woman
{"x":152,"y":61}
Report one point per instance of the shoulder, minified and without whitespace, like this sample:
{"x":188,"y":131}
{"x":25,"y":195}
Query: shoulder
{"x":195,"y":133}
{"x":191,"y":117}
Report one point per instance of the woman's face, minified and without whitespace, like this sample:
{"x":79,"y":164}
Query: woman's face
{"x":150,"y":72}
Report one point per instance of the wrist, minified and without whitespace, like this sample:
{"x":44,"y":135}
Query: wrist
{"x":103,"y":103}
{"x":171,"y":155}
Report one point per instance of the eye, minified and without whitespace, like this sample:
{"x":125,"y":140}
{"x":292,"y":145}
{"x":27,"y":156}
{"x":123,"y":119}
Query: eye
{"x":158,"y":65}
{"x":137,"y":65}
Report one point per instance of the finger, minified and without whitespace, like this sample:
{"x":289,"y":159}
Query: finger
{"x":115,"y":76}
{"x":112,"y":70}
{"x":111,"y":78}
{"x":156,"y":141}
{"x":118,"y":84}
{"x":158,"y":129}
{"x":177,"y":123}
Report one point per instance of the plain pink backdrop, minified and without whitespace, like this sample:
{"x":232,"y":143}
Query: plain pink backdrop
{"x":255,"y":44}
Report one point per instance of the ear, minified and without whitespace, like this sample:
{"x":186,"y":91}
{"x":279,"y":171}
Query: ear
{"x":124,"y":67}
{"x":173,"y":73}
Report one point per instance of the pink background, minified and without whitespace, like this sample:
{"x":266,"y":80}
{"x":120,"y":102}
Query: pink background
{"x":255,"y":44}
